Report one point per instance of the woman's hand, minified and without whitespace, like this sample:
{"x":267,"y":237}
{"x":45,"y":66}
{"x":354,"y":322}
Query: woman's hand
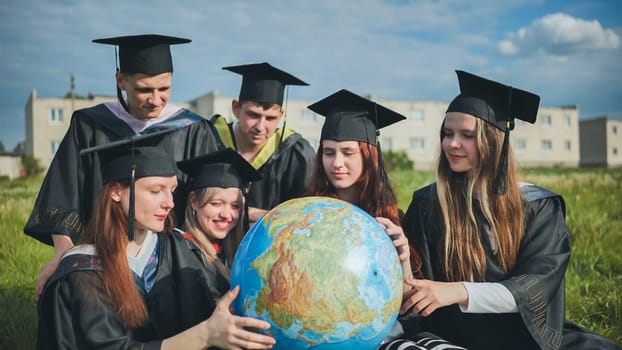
{"x":400,"y":242}
{"x":396,"y":234}
{"x":228,"y":331}
{"x":426,"y":296}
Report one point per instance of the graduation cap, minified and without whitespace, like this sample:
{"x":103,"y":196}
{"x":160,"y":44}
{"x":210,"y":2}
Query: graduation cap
{"x":148,"y":53}
{"x":224,"y":168}
{"x":350,"y":117}
{"x":263,"y":83}
{"x":132,"y":158}
{"x":497,"y":104}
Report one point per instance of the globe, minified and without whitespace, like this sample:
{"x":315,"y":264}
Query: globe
{"x":322,"y":272}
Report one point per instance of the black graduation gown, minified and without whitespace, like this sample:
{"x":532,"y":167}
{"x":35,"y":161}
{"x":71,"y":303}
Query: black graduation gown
{"x":74,"y":312}
{"x":536,"y":282}
{"x":285,"y":170}
{"x":67,"y":195}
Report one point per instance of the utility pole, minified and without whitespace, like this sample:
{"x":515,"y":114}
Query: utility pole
{"x":73,"y":93}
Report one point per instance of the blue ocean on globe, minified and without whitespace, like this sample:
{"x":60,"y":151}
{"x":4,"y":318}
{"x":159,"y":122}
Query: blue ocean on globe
{"x":322,"y":272}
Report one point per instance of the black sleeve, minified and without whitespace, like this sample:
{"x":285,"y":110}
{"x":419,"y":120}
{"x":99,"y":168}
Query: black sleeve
{"x":297,"y":172}
{"x":57,"y":207}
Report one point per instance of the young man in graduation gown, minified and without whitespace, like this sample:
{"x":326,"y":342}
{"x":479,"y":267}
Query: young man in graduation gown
{"x":66,"y":197}
{"x":282,"y":156}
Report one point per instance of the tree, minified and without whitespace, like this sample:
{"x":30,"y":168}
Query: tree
{"x":31,"y":165}
{"x":397,"y":160}
{"x":2,"y":150}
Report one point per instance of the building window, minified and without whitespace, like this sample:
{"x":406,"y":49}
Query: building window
{"x":546,"y":121}
{"x":615,"y":151}
{"x":568,"y":145}
{"x":547,"y":145}
{"x":386,"y":143}
{"x":56,"y":116}
{"x":308,"y":117}
{"x":54,"y":146}
{"x":417,"y":144}
{"x":520,"y":145}
{"x":567,"y":121}
{"x":416,"y":116}
{"x":614,"y":129}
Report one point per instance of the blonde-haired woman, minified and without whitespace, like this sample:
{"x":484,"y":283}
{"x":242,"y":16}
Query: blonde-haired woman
{"x":494,"y":251}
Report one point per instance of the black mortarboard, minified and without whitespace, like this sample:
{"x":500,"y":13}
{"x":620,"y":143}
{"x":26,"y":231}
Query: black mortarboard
{"x":132,"y":158}
{"x":225,"y":168}
{"x":149,"y":53}
{"x":350,"y":117}
{"x":494,"y":102}
{"x":263,"y":83}
{"x":499,"y":105}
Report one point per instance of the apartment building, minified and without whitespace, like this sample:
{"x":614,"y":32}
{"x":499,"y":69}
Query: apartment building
{"x":552,"y":141}
{"x":601,"y":142}
{"x":47,"y":121}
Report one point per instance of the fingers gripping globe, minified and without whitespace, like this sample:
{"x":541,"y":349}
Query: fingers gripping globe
{"x":322,"y":272}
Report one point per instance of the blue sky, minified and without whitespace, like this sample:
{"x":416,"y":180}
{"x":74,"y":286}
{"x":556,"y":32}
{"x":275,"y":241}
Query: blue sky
{"x":568,"y":52}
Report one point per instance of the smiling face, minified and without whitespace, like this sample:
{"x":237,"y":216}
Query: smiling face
{"x":153,"y":201}
{"x":256,"y":124}
{"x":343,"y":163}
{"x":219,"y":215}
{"x":459,"y":141}
{"x":146,"y":95}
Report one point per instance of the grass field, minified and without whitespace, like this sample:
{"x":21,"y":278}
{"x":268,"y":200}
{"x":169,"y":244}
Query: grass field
{"x":593,"y":280}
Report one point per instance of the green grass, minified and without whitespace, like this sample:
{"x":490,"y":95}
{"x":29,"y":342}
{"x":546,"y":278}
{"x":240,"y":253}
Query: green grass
{"x":21,"y":258}
{"x":593,"y":280}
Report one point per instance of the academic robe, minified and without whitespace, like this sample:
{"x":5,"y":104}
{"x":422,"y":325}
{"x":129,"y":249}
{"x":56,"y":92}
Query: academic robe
{"x":70,"y":187}
{"x":285,"y":166}
{"x":75,"y":313}
{"x":536,"y":282}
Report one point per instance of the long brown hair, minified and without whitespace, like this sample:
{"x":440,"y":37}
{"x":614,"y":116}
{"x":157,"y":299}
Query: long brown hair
{"x":107,"y":231}
{"x":229,"y":244}
{"x":461,"y":196}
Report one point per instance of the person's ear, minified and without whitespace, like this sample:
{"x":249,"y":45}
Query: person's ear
{"x":120,"y":80}
{"x":115,"y":193}
{"x":192,"y":201}
{"x":235,"y":107}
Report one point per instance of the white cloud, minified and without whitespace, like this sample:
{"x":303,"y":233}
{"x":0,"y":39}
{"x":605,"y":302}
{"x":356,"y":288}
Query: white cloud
{"x":561,"y":35}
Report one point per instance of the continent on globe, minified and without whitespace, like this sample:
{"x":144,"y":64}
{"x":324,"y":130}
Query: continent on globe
{"x":322,"y":272}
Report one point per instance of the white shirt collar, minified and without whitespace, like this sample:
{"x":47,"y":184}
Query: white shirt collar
{"x":139,"y":125}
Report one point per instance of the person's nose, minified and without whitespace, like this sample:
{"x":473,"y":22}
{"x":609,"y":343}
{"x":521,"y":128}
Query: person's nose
{"x":454,"y":142}
{"x":225,"y":213}
{"x":168,"y":202}
{"x":338,"y":161}
{"x":156,"y":98}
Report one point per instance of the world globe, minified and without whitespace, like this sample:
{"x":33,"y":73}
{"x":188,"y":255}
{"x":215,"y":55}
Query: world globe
{"x":322,"y":272}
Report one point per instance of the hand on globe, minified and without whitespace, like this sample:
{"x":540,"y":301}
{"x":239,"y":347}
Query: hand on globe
{"x":228,"y":331}
{"x":397,"y":236}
